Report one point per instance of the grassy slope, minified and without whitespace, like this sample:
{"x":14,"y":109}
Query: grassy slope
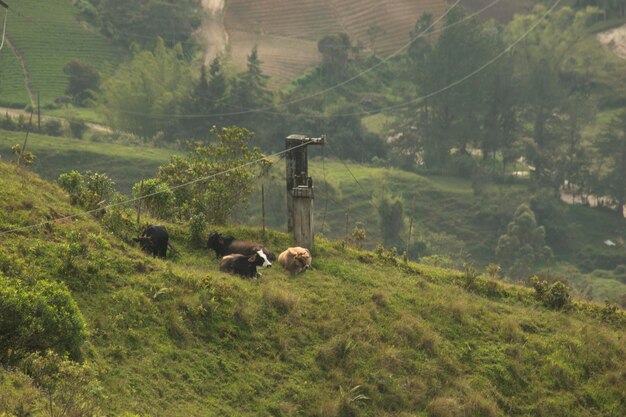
{"x":124,"y":164}
{"x":444,"y":209}
{"x":49,"y":35}
{"x":180,"y":338}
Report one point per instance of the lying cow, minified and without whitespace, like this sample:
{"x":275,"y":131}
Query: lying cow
{"x":154,"y":240}
{"x":228,"y":245}
{"x":295,"y":260}
{"x":244,"y":265}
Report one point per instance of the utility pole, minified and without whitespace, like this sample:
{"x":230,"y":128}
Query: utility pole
{"x":300,"y":189}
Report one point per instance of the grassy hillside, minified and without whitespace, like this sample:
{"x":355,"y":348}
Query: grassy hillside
{"x":54,"y":155}
{"x":287,"y":32}
{"x":447,"y":216}
{"x":47,"y":36}
{"x":450,"y":220}
{"x":360,"y":335}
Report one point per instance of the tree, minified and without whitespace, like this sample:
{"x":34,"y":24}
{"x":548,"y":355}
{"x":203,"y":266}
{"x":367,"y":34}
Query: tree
{"x":391,"y":214}
{"x":83,"y":81}
{"x":523,"y":246}
{"x":335,"y":50}
{"x":146,"y":94}
{"x":611,"y":147}
{"x":250,"y":91}
{"x":142,"y":22}
{"x":548,"y":70}
{"x":451,"y":118}
{"x":215,"y":198}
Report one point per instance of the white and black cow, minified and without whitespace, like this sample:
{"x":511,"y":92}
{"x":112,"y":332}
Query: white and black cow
{"x":154,"y":240}
{"x":228,"y":245}
{"x":245,"y":265}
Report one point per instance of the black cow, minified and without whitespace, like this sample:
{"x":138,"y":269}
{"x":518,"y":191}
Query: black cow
{"x":228,"y":245}
{"x":154,"y":240}
{"x":244,"y":265}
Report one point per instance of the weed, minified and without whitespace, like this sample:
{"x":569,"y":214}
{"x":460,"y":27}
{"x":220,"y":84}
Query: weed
{"x":444,"y":407}
{"x":470,"y":274}
{"x":280,"y":300}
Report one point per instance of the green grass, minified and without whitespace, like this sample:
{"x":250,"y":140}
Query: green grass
{"x":49,"y":35}
{"x":359,"y":335}
{"x":13,"y":91}
{"x":54,"y":155}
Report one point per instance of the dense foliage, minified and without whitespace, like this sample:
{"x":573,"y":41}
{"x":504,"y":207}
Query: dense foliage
{"x":38,"y":316}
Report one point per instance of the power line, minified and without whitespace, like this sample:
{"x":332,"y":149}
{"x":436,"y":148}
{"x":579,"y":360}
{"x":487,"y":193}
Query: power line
{"x":327,"y":90}
{"x":133,"y":200}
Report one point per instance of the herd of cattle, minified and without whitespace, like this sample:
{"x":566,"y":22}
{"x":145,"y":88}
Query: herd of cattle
{"x":239,"y":257}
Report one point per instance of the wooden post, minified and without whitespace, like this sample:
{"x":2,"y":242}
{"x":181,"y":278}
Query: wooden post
{"x":139,"y":203}
{"x":38,"y":113}
{"x":300,"y":189}
{"x":408,"y":240}
{"x":263,"y":208}
{"x":347,"y":220}
{"x":30,"y":125}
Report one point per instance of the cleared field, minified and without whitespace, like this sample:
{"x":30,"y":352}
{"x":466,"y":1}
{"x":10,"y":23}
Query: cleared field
{"x":48,"y":35}
{"x":54,"y":155}
{"x":13,"y":91}
{"x":286,"y":32}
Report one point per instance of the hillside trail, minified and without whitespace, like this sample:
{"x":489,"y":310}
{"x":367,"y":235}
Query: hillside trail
{"x":212,"y":30}
{"x":22,"y":59}
{"x":615,"y":39}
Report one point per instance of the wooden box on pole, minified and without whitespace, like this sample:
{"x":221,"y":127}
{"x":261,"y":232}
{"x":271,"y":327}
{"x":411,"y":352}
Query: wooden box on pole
{"x":300,"y":189}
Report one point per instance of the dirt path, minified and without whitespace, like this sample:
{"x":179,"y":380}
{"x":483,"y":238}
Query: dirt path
{"x":27,"y":82}
{"x":212,"y":31}
{"x":615,"y":39}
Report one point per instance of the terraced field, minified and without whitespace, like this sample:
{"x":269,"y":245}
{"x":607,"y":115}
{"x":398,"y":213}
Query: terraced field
{"x":12,"y":88}
{"x":48,"y":35}
{"x":286,"y":31}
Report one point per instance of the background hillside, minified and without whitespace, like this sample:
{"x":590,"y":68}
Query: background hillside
{"x":363,"y":334}
{"x":42,"y":37}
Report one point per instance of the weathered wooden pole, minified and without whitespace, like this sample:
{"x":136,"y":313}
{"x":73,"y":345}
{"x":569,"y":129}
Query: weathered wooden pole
{"x":263,"y":209}
{"x":300,"y":189}
{"x":139,"y":203}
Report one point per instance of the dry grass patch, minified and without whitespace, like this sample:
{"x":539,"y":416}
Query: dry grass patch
{"x":444,"y":407}
{"x":280,"y":300}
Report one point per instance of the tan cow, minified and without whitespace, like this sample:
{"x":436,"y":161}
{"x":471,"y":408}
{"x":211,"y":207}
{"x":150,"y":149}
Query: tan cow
{"x":295,"y":260}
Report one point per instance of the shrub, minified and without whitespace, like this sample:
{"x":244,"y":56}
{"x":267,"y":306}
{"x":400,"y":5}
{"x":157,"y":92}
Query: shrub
{"x":197,"y":226}
{"x":78,"y":127}
{"x":38,"y":317}
{"x":555,"y":296}
{"x":7,"y":122}
{"x":71,"y":389}
{"x":53,"y":127}
{"x":89,"y":191}
{"x":158,"y":199}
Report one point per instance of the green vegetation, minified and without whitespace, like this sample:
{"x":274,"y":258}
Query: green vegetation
{"x":36,"y":29}
{"x":363,"y":334}
{"x":125,"y":164}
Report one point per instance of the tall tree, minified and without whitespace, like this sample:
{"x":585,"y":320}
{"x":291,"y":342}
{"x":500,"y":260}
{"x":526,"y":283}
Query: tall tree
{"x":523,"y":246}
{"x":541,"y":62}
{"x":146,"y":94}
{"x":451,"y":118}
{"x":611,"y":147}
{"x":335,"y":50}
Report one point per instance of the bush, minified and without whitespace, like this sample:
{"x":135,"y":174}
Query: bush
{"x":78,"y":127}
{"x":34,"y":318}
{"x":53,"y":127}
{"x":7,"y":122}
{"x":555,"y":296}
{"x":89,"y":191}
{"x":158,"y":198}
